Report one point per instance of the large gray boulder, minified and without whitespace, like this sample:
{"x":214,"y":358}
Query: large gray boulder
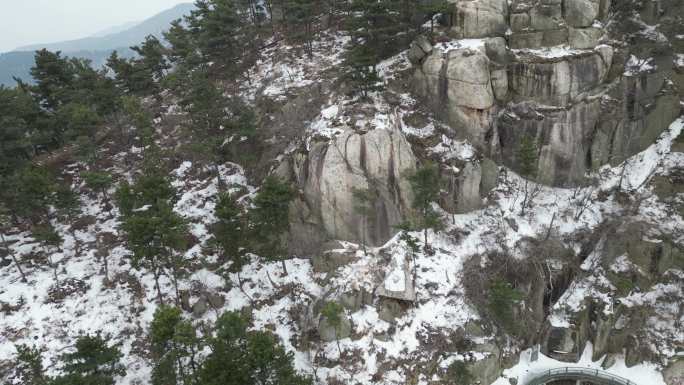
{"x":581,"y":13}
{"x":377,"y":160}
{"x":468,"y":79}
{"x":584,"y":38}
{"x":480,"y":18}
{"x":461,"y":84}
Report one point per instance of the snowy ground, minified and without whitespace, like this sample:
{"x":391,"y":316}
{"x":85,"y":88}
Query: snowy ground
{"x":378,"y":352}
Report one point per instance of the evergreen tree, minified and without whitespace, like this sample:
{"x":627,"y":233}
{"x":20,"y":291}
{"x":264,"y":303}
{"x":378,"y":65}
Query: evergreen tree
{"x":50,"y":240}
{"x":18,"y":114}
{"x":216,"y":25}
{"x":527,"y":158}
{"x":270,"y":219}
{"x":364,"y":205}
{"x":28,"y":193}
{"x":155,"y":233}
{"x":153,"y":58}
{"x":99,"y":182}
{"x":374,"y":26}
{"x":239,"y":357}
{"x":425,"y":184}
{"x":229,"y":230}
{"x":459,"y":374}
{"x":76,"y":119}
{"x":432,"y":8}
{"x":53,"y":76}
{"x":502,"y":298}
{"x":333,"y":312}
{"x":174,"y":347}
{"x":5,"y":224}
{"x":183,"y":49}
{"x":94,"y":362}
{"x":301,"y":16}
{"x":29,"y":366}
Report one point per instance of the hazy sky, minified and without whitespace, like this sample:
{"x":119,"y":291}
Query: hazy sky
{"x":24,"y":22}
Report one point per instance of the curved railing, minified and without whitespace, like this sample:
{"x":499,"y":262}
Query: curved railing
{"x":595,"y":376}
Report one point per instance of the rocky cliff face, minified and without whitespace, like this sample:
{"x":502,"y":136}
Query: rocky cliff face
{"x":558,"y":71}
{"x":329,"y":173}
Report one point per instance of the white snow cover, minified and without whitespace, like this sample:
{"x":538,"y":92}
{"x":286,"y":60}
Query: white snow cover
{"x":526,"y":369}
{"x":124,"y":311}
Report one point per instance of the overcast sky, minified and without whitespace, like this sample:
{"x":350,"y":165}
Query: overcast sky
{"x":25,"y":22}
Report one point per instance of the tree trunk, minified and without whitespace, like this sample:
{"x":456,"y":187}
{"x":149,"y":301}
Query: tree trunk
{"x":160,"y":297}
{"x":282,"y":261}
{"x":337,"y":340}
{"x":425,"y":236}
{"x":217,"y":170}
{"x":54,"y":269}
{"x":174,"y":272}
{"x":105,"y":260}
{"x":14,"y":257}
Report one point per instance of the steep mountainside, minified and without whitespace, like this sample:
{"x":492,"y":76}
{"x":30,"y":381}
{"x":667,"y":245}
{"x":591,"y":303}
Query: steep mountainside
{"x":555,"y":128}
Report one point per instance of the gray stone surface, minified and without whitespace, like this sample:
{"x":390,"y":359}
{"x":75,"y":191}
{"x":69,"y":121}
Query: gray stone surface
{"x":581,"y":13}
{"x":376,"y":160}
{"x":584,"y":38}
{"x":557,"y":80}
{"x":480,"y":18}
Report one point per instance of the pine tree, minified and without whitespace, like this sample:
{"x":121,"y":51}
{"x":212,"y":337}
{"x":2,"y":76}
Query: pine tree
{"x":364,"y":205}
{"x":374,"y":26}
{"x":182,"y":51}
{"x":18,"y":113}
{"x":333,"y":312}
{"x":215,"y":25}
{"x":53,"y":76}
{"x":155,"y":233}
{"x":5,"y":224}
{"x":99,"y":182}
{"x":229,"y":230}
{"x":432,"y":8}
{"x":174,"y":347}
{"x":94,"y":362}
{"x":459,"y":374}
{"x":76,"y":119}
{"x":239,"y":357}
{"x":301,"y":16}
{"x":50,"y":240}
{"x":270,"y":219}
{"x":29,"y":366}
{"x":153,"y":58}
{"x":502,"y":298}
{"x":28,"y":193}
{"x":425,"y":183}
{"x":528,"y":158}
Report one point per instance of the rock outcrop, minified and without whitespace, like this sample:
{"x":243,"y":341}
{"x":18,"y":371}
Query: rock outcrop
{"x":545,"y":73}
{"x":330,"y":172}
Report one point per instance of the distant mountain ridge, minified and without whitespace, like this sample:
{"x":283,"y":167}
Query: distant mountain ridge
{"x":131,"y":36}
{"x":96,"y":48}
{"x":116,"y":29}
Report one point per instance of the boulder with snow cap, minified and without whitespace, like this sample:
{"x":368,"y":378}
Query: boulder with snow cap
{"x":378,"y":161}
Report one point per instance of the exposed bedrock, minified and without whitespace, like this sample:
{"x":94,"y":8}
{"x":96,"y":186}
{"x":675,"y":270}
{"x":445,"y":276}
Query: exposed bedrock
{"x":480,"y":18}
{"x":578,"y":99}
{"x":330,"y":172}
{"x":561,"y":134}
{"x":558,"y":81}
{"x":635,"y":260}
